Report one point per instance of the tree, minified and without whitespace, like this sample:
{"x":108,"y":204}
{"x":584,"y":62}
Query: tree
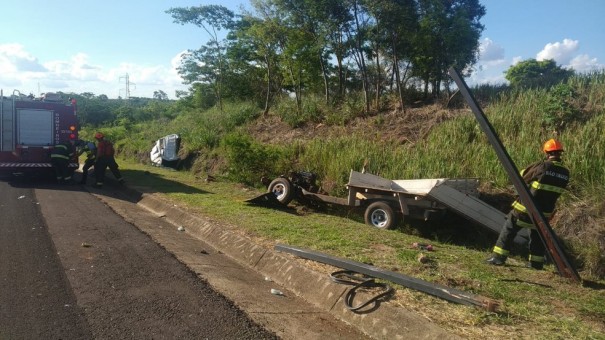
{"x":255,"y":47}
{"x":448,"y":36}
{"x":160,"y":95}
{"x":396,"y":24}
{"x":357,"y":34}
{"x":533,"y":73}
{"x":323,"y":22}
{"x":211,"y":18}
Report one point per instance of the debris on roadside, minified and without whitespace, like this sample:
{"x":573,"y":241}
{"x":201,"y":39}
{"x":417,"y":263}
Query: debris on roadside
{"x":181,"y":228}
{"x":422,"y":246}
{"x":423,"y":258}
{"x":86,"y":245}
{"x":435,"y":289}
{"x":276,"y":292}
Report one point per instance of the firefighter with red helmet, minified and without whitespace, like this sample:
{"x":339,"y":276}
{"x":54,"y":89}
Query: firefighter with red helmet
{"x":60,"y":156}
{"x":547,"y":180}
{"x":105,"y":159}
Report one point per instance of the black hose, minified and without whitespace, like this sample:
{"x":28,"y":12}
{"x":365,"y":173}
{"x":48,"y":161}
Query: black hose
{"x":349,"y":277}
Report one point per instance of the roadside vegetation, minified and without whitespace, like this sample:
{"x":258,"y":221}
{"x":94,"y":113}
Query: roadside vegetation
{"x":288,"y":90}
{"x":239,"y":146}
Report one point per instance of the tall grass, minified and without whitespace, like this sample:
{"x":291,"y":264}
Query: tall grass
{"x":454,"y":148}
{"x":459,"y":148}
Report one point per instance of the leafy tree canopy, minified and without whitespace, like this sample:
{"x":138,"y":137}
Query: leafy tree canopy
{"x":533,"y":73}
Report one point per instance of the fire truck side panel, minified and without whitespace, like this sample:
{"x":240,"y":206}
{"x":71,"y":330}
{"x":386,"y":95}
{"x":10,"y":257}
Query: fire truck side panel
{"x":34,"y":127}
{"x":29,"y":129}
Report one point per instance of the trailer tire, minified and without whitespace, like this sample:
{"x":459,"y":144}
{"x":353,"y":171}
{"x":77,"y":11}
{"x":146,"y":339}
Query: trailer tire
{"x":380,"y":215}
{"x":282,"y":188}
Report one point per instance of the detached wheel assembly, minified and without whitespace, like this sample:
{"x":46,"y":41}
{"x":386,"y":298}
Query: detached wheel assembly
{"x":380,"y":215}
{"x":282,"y":188}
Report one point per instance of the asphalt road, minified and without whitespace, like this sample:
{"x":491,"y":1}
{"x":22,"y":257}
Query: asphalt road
{"x":70,"y":268}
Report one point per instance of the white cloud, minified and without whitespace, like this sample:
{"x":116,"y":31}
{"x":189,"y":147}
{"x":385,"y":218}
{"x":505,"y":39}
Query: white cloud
{"x":13,"y":58}
{"x":492,"y":62}
{"x":561,"y":52}
{"x":584,"y":63}
{"x":516,"y":60}
{"x":490,"y":51}
{"x":22,"y":71}
{"x":564,"y":53}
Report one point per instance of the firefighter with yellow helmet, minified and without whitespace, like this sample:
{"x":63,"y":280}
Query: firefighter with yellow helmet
{"x":60,"y":156}
{"x":547,"y":180}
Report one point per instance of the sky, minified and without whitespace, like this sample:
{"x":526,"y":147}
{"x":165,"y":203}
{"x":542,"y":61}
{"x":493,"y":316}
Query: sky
{"x":121,"y":48}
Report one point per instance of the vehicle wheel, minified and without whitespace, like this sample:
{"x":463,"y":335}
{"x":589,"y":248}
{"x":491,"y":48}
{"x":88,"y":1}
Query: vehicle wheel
{"x":380,"y":215}
{"x":282,"y":188}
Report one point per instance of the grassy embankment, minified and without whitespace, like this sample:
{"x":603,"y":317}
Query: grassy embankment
{"x":534,"y":304}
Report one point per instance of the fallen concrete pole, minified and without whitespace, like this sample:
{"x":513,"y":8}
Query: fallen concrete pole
{"x":446,"y":293}
{"x":564,"y":266}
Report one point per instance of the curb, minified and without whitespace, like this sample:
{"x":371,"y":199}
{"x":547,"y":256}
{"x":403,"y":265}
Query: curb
{"x":384,"y":322}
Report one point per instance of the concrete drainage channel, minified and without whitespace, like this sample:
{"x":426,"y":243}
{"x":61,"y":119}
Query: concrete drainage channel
{"x":385,"y":321}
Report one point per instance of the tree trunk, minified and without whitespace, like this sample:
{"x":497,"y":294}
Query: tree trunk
{"x":341,"y":77}
{"x":361,"y":61}
{"x":219,"y":85}
{"x":396,"y":70}
{"x":378,"y":78}
{"x":324,"y":73}
{"x":268,"y":95}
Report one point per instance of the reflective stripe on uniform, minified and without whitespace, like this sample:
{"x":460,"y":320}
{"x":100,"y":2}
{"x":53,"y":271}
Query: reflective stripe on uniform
{"x":536,"y":258}
{"x":521,"y":208}
{"x":59,"y":156}
{"x":524,"y":224}
{"x":501,"y":251}
{"x":539,"y":186}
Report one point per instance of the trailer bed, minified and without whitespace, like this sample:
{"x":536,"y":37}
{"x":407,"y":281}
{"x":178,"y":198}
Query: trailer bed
{"x":459,"y":195}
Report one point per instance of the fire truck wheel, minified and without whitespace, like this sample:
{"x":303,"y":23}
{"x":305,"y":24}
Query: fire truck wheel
{"x":380,"y":215}
{"x":282,"y":188}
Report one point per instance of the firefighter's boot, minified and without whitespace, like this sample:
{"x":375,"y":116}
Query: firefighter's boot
{"x":496,"y":260}
{"x":535,"y":265}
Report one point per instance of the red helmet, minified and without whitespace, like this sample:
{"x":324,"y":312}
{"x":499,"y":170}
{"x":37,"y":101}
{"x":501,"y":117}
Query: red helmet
{"x":99,"y":135}
{"x":552,"y":145}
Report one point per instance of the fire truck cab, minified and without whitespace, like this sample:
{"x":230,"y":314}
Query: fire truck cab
{"x":29,"y":129}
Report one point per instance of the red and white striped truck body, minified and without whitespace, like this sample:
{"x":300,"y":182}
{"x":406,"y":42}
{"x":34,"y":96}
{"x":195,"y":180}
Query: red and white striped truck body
{"x":30,"y":127}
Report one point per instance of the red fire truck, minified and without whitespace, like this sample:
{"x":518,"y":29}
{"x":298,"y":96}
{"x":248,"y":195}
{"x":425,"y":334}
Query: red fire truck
{"x":30,"y":127}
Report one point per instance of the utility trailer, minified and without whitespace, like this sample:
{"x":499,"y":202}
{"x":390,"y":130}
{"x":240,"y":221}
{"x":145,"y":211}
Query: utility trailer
{"x":387,"y":203}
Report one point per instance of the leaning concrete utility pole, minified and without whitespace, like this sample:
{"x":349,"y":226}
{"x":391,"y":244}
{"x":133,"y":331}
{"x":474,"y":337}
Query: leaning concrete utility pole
{"x":564,"y":266}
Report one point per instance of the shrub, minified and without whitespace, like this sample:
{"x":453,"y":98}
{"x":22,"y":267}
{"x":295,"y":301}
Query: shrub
{"x":247,"y":159}
{"x":559,"y":109}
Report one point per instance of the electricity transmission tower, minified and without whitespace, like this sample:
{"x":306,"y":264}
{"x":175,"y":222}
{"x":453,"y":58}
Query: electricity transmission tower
{"x":127,"y":84}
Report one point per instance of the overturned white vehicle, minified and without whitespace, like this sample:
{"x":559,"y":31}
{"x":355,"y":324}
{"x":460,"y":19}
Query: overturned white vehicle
{"x":165,"y":151}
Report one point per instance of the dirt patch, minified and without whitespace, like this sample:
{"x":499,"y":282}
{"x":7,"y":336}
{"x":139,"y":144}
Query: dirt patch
{"x":394,"y":126}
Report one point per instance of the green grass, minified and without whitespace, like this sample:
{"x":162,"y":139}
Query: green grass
{"x":536,"y":305}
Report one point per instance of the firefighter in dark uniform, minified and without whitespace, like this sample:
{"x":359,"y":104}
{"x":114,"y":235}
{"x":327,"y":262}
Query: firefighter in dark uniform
{"x":105,"y":159}
{"x":90,"y":149}
{"x":60,"y":156}
{"x":547,"y":180}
